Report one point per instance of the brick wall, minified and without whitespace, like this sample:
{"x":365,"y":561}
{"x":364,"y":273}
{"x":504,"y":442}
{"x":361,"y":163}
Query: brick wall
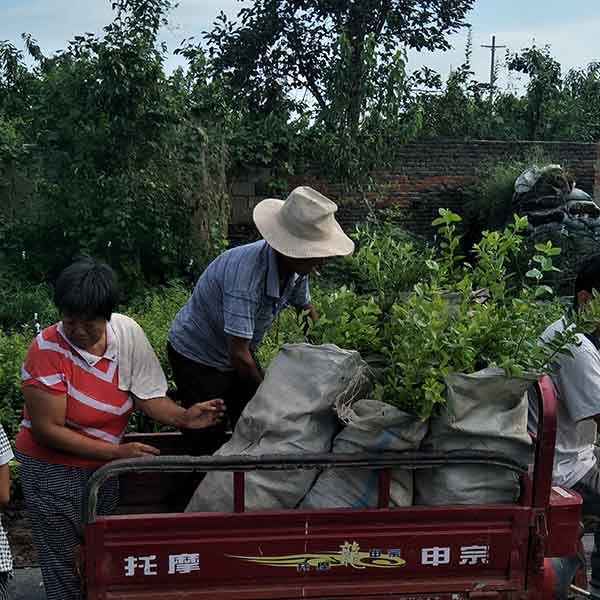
{"x":426,"y":175}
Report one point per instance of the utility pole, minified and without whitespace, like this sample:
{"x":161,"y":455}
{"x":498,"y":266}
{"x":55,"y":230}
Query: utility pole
{"x":493,"y":48}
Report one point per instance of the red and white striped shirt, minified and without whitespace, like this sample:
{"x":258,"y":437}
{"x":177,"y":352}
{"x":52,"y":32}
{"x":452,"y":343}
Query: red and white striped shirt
{"x":96,"y":407}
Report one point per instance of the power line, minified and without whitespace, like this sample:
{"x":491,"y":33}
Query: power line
{"x":493,"y":48}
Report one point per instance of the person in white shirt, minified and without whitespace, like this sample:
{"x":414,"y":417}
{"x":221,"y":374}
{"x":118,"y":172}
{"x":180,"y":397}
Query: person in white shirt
{"x":577,"y":382}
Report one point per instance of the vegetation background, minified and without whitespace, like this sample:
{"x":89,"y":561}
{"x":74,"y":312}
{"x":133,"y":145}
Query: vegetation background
{"x":103,"y":152}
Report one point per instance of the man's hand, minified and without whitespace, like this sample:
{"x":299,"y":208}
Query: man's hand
{"x":203,"y":414}
{"x":304,"y":314}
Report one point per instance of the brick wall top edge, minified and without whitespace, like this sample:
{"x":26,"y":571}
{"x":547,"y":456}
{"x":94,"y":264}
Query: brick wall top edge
{"x":444,"y":141}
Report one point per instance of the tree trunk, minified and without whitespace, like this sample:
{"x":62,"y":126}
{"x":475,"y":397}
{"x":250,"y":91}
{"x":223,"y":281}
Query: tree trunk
{"x":355,"y":84}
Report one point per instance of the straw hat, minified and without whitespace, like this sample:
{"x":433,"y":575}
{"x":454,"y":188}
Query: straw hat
{"x":303,"y":226}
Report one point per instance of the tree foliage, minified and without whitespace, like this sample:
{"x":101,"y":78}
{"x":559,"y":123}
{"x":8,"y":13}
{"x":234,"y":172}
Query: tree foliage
{"x":120,"y":159}
{"x":342,"y":62}
{"x":103,"y":152}
{"x":543,"y":91}
{"x":553,"y":106}
{"x":308,"y":45}
{"x":326,"y":83}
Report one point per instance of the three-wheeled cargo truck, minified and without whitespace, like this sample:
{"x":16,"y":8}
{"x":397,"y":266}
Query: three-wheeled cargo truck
{"x":415,"y":553}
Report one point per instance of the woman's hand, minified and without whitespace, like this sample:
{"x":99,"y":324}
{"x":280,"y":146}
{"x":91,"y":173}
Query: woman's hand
{"x":203,"y":414}
{"x":135,"y":450}
{"x":197,"y":416}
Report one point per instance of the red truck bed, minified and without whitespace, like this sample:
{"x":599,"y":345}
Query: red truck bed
{"x":411,"y":553}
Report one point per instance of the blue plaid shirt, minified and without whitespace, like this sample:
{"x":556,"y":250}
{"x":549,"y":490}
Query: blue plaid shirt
{"x":237,"y":295}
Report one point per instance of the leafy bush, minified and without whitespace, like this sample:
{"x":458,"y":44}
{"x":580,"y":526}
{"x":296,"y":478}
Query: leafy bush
{"x":465,"y":318}
{"x":345,"y":319}
{"x":121,"y":165}
{"x":388,"y":261}
{"x":21,"y":301}
{"x":155,"y":312}
{"x":455,"y":316}
{"x":488,"y":203}
{"x":287,"y":329}
{"x":13,"y":347}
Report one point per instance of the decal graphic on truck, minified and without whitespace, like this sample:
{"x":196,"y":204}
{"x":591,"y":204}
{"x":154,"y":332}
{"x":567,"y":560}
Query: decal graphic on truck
{"x":349,"y":555}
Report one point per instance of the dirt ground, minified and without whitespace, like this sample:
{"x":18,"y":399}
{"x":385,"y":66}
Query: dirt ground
{"x":27,"y":581}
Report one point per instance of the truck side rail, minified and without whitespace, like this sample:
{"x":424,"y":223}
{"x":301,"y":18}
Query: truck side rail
{"x":546,"y":439}
{"x":238,"y":465}
{"x":383,"y":462}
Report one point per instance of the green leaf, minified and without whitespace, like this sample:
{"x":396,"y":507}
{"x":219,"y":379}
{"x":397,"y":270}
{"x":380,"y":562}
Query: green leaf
{"x":543,"y":290}
{"x":534,"y":274}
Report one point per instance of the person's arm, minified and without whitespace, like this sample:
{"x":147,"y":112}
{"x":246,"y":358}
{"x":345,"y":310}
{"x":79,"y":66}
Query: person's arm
{"x":310,"y":309}
{"x":47,"y":413}
{"x":301,"y":301}
{"x":307,"y":312}
{"x":242,"y":360}
{"x":4,"y":484}
{"x":198,"y":416}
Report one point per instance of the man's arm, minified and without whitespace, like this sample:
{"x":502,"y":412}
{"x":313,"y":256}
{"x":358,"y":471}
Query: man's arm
{"x":301,"y":301}
{"x":306,"y":312}
{"x":239,"y":312}
{"x":310,"y":309}
{"x":243,"y":361}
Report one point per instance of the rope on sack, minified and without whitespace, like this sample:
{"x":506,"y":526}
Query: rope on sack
{"x":357,"y":387}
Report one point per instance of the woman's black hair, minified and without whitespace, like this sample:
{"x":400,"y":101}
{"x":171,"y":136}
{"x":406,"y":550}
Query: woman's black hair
{"x":588,"y":276}
{"x":87,"y":289}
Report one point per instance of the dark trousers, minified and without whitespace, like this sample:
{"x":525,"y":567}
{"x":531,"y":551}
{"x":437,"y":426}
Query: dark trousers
{"x":588,"y":487}
{"x":54,"y":496}
{"x":196,"y":383}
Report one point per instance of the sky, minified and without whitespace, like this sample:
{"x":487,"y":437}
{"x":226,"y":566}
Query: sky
{"x":571,"y":28}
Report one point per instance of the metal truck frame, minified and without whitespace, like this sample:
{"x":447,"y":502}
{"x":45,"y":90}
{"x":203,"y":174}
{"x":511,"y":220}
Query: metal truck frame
{"x":413,"y":553}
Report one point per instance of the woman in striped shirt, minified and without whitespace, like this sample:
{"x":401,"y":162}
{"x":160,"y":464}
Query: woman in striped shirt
{"x":81,"y":380}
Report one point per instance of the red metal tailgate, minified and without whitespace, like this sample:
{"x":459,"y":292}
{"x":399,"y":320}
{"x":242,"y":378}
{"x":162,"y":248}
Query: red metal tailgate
{"x":300,"y":554}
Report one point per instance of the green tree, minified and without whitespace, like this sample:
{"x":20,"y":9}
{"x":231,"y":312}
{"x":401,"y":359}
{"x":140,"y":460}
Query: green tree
{"x":581,"y":99}
{"x":343,"y":60}
{"x":460,"y":108}
{"x":543,"y":91}
{"x":125,"y":161}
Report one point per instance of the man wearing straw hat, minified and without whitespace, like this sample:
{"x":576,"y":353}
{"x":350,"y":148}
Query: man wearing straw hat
{"x":212,"y":340}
